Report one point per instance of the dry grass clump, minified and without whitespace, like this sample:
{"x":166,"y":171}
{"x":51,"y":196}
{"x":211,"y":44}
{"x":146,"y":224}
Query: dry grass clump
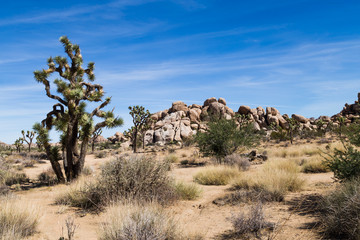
{"x":276,"y":177}
{"x":82,"y":193}
{"x":172,"y":158}
{"x":314,"y":165}
{"x":187,"y":191}
{"x":216,"y":175}
{"x":341,"y":215}
{"x":137,"y":222}
{"x":17,"y":219}
{"x":242,"y":163}
{"x":295,"y":151}
{"x":135,"y":178}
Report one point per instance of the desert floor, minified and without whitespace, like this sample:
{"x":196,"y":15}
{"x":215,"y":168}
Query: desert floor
{"x":293,"y":216}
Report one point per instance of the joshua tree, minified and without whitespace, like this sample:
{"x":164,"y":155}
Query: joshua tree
{"x":18,"y":143}
{"x":29,"y":135}
{"x":140,"y":119}
{"x":95,"y":135}
{"x":293,"y":128}
{"x":69,"y":115}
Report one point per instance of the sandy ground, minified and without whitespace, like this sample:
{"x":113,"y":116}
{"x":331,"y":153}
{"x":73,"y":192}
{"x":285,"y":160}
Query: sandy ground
{"x":197,"y":216}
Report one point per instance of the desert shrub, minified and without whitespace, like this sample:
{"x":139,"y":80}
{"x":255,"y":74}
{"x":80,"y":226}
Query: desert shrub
{"x":224,"y":137}
{"x":344,"y":163}
{"x":248,"y":196}
{"x":252,"y":223}
{"x":279,"y":135}
{"x":187,"y":191}
{"x":17,"y":219}
{"x":137,"y":178}
{"x":242,"y":163}
{"x":48,"y":177}
{"x":10,"y":178}
{"x":29,"y":163}
{"x":314,"y":165}
{"x":4,"y":190}
{"x":87,"y":171}
{"x":171,"y":158}
{"x":82,"y":193}
{"x":138,"y":222}
{"x":275,"y":178}
{"x":341,"y":216}
{"x":101,"y":154}
{"x":216,"y":175}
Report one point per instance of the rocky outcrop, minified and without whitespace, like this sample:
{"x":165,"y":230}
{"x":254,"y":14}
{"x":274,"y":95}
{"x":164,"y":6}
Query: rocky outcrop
{"x":182,"y":121}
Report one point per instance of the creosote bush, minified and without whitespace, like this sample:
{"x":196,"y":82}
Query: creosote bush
{"x":224,"y":137}
{"x":216,"y":175}
{"x":137,"y":222}
{"x":17,"y":219}
{"x":341,"y":208}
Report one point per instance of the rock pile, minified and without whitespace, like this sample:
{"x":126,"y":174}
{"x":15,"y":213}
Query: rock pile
{"x":181,"y":121}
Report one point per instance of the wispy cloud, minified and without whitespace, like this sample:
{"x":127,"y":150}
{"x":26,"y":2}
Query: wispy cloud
{"x":71,"y":14}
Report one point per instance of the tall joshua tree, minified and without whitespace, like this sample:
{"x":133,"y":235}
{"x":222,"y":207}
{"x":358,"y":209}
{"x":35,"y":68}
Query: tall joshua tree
{"x":69,"y":115}
{"x":28,"y":137}
{"x":140,"y":118}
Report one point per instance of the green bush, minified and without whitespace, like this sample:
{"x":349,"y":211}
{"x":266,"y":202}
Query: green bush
{"x":224,"y":137}
{"x":344,"y":163}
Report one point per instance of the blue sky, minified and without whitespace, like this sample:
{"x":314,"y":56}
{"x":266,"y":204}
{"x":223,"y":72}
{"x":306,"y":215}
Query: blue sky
{"x":298,"y":56}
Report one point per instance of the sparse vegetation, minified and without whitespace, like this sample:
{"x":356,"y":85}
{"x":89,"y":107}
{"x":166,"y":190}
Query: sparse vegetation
{"x":216,"y":175}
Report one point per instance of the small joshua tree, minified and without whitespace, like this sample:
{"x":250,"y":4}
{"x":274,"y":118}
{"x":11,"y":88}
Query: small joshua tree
{"x":68,"y":115}
{"x":292,"y":129}
{"x":95,"y":135}
{"x":18,"y":144}
{"x":28,"y":137}
{"x":140,"y":118}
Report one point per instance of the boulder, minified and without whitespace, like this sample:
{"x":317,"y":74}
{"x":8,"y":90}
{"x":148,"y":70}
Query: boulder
{"x":282,"y":122}
{"x":229,"y":111}
{"x":299,"y":118}
{"x":195,"y":106}
{"x":273,"y":120}
{"x":208,"y":101}
{"x":149,"y":137}
{"x":216,"y":108}
{"x":222,"y":101}
{"x":179,"y":106}
{"x":194,"y":115}
{"x":244,"y":109}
